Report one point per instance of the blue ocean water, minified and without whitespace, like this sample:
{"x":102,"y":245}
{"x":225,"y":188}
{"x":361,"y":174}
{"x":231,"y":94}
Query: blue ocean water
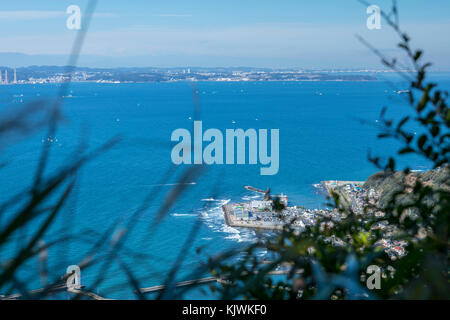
{"x":322,"y":137}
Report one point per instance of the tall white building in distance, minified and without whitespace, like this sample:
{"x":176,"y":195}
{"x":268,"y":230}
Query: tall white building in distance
{"x":5,"y":79}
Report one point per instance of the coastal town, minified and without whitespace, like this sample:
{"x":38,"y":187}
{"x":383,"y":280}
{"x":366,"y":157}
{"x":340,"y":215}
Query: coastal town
{"x":262,"y":215}
{"x":60,"y":74}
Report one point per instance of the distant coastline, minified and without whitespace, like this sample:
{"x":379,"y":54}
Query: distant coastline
{"x":56,"y":74}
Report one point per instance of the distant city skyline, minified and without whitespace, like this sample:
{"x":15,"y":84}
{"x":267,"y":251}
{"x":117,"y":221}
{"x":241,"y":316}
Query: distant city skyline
{"x":286,"y":34}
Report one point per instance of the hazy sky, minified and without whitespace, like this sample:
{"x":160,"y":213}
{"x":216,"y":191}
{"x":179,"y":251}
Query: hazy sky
{"x":281,"y":33}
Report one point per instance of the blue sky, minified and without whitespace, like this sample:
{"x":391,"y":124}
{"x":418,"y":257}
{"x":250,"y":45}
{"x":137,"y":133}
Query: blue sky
{"x":282,"y":33}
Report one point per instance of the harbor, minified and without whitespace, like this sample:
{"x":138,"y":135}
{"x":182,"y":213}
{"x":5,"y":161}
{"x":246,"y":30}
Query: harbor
{"x":261,"y":214}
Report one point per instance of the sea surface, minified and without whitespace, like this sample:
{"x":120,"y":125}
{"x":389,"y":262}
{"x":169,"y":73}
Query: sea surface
{"x":326,"y":132}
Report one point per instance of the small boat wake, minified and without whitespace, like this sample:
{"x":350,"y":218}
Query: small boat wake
{"x":222,"y":201}
{"x":184,"y":215}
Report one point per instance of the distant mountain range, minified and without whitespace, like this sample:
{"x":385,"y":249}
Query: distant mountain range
{"x":16,"y":60}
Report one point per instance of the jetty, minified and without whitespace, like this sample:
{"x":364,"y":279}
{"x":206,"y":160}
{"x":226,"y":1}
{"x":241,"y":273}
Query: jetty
{"x":265,"y":214}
